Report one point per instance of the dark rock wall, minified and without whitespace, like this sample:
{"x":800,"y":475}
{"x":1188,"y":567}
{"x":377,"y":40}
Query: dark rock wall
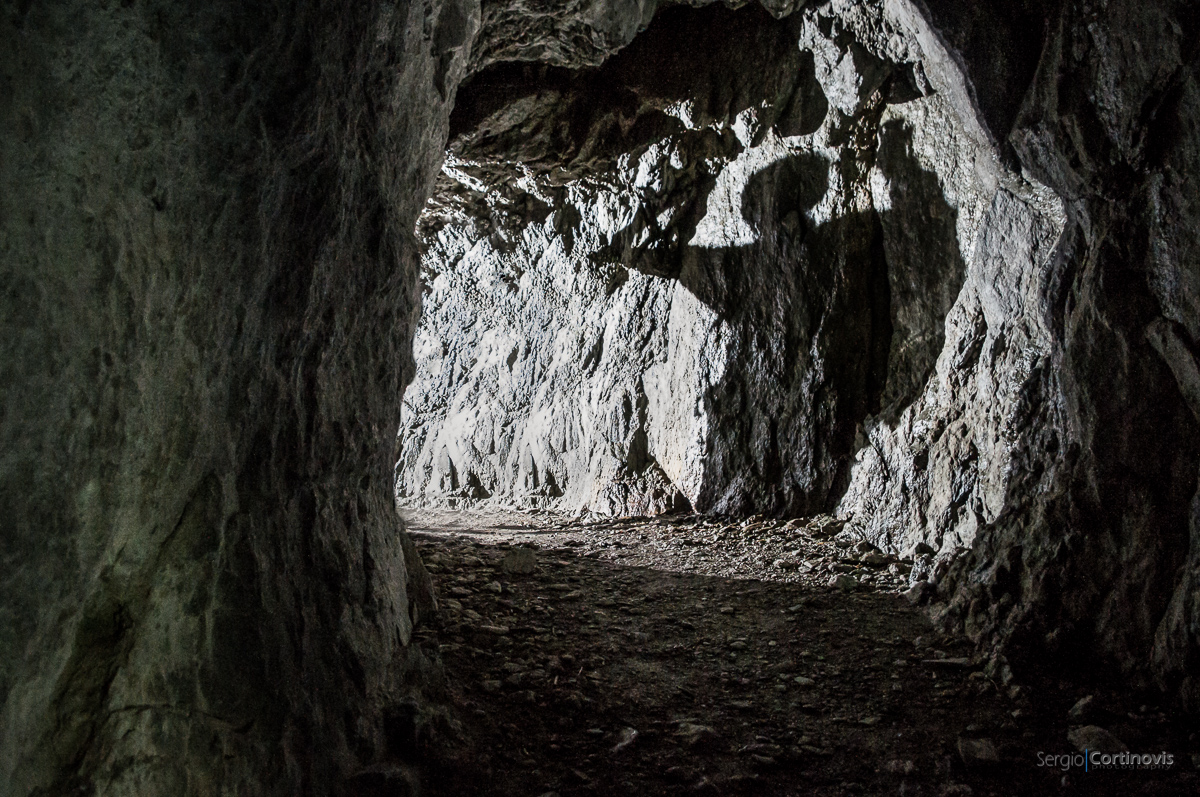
{"x":209,"y":287}
{"x":1096,"y":552}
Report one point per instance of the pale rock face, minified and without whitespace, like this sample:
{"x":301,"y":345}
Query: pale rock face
{"x":706,"y":313}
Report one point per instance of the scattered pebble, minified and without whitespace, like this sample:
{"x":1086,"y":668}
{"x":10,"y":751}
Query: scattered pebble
{"x":685,"y":661}
{"x":978,"y":752}
{"x":1093,"y":737}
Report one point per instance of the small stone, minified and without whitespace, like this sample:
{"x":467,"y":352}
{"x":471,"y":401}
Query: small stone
{"x":801,"y":680}
{"x":497,"y":630}
{"x":948,"y":661}
{"x":519,"y":560}
{"x":1093,"y":737}
{"x":678,"y":774}
{"x":1000,"y":669}
{"x":491,"y":686}
{"x":865,"y":547}
{"x":978,"y":752}
{"x":956,"y":790}
{"x":763,"y":748}
{"x":923,"y":548}
{"x":844,"y":582}
{"x":1084,"y":708}
{"x":696,"y":736}
{"x":625,"y":739}
{"x":920,"y":593}
{"x":494,"y":586}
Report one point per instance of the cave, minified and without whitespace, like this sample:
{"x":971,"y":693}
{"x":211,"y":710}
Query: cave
{"x":630,"y":397}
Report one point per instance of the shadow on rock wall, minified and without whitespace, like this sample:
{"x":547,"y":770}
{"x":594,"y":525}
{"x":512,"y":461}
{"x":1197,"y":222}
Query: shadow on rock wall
{"x":568,"y":120}
{"x":834,"y":310}
{"x":832,"y":321}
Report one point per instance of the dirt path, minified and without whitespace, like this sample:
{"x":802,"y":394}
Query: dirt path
{"x":694,"y":656}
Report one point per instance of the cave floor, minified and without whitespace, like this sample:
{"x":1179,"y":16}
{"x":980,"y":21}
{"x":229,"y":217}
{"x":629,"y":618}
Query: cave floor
{"x":689,"y":655}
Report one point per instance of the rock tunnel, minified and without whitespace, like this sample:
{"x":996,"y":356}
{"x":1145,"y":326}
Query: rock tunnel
{"x":825,"y":285}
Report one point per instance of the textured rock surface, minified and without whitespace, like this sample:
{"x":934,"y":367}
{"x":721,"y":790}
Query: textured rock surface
{"x":210,"y":289}
{"x":1016,"y":174}
{"x":208,"y":296}
{"x":1095,"y":549}
{"x":686,"y":278}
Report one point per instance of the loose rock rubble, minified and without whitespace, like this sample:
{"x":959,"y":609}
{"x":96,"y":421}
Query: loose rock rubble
{"x":688,"y":655}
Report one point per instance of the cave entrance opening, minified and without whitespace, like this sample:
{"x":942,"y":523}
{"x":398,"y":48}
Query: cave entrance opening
{"x":681,"y":312}
{"x":684,"y":279}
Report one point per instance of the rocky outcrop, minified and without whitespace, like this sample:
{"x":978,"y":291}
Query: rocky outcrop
{"x":1093,"y":556}
{"x":1052,"y":457}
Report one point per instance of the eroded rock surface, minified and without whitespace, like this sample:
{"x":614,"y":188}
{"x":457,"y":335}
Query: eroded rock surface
{"x":687,"y":277}
{"x":956,"y":310}
{"x":935,"y":265}
{"x":1074,"y":425}
{"x":208,"y":298}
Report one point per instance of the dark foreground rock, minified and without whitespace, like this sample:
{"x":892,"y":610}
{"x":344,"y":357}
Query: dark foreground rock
{"x":206,"y":319}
